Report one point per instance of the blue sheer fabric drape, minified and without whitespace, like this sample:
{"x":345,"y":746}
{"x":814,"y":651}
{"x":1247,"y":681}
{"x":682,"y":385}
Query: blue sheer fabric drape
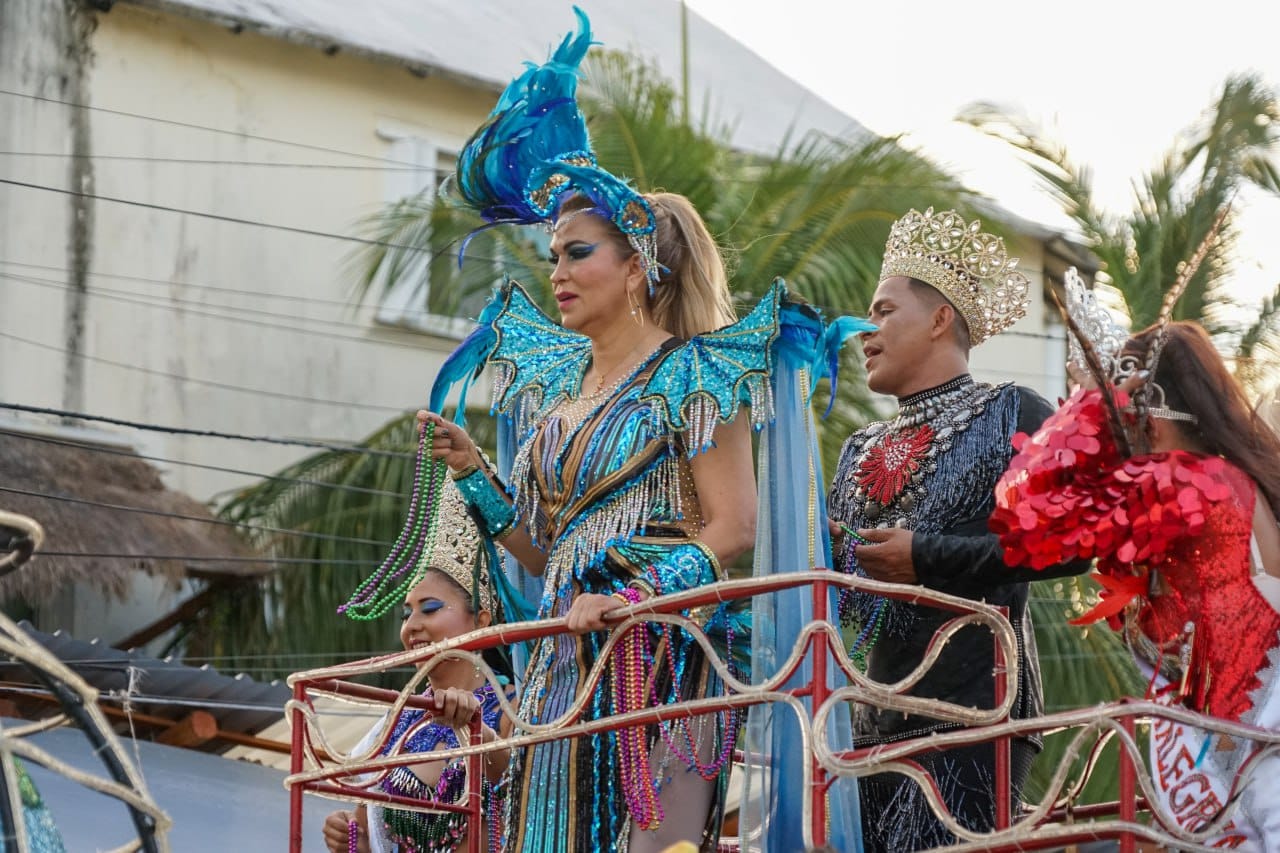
{"x":792,"y":537}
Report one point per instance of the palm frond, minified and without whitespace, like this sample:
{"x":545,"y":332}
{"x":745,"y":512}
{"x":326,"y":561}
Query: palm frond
{"x":1080,"y":667}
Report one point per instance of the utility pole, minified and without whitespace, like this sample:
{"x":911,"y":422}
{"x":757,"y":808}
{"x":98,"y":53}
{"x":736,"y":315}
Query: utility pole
{"x":684,"y":62}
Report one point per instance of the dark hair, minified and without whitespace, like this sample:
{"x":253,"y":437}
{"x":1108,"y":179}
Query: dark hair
{"x":1195,"y":380}
{"x":932,"y":296}
{"x":498,"y":657}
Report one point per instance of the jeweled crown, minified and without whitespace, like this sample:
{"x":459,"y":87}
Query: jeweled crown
{"x":1107,"y":339}
{"x":969,"y":267}
{"x":457,"y":546}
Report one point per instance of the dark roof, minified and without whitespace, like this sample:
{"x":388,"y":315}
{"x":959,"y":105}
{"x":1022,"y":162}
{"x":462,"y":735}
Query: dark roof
{"x":82,"y":497}
{"x":161,"y":688}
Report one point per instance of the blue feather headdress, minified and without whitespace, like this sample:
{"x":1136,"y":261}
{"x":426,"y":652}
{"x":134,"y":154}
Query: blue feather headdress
{"x":534,"y":149}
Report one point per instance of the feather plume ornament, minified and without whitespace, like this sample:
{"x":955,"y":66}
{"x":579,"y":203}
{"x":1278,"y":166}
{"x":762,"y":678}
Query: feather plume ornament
{"x":1098,"y":342}
{"x":1081,"y":309}
{"x":534,"y":149}
{"x":1171,"y":297}
{"x":1179,"y":287}
{"x":536,"y":121}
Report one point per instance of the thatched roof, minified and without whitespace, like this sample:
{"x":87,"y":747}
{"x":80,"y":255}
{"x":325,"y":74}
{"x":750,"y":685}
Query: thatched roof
{"x":82,"y":497}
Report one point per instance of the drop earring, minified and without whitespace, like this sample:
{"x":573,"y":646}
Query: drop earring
{"x":637,"y":313}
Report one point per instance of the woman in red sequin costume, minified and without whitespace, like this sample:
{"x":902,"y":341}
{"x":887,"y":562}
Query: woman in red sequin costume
{"x":1188,"y":554}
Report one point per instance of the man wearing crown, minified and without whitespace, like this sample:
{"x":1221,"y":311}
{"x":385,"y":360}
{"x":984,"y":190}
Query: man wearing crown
{"x":909,"y":504}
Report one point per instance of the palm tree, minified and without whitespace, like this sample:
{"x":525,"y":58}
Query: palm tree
{"x":816,"y":213}
{"x":1231,"y":148}
{"x":1141,"y":251}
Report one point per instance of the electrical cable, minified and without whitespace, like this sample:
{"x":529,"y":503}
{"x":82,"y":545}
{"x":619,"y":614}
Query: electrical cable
{"x":208,"y":383}
{"x":304,"y":534}
{"x":231,"y":436}
{"x":98,"y":448}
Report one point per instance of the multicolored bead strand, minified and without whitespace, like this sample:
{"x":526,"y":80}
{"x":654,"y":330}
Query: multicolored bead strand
{"x":690,"y":758}
{"x":386,"y":587}
{"x":438,"y":832}
{"x":630,"y":675}
{"x":353,"y":836}
{"x":869,"y":634}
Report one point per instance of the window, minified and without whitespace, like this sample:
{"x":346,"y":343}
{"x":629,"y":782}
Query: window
{"x":411,"y":302}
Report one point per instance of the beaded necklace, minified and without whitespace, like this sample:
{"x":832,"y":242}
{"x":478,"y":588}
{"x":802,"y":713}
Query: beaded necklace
{"x":634,"y":668}
{"x":576,"y":409}
{"x":398,"y":573}
{"x":898,"y":455}
{"x":886,"y":483}
{"x":596,"y":394}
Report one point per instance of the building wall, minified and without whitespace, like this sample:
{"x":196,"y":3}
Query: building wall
{"x":1032,"y":352}
{"x":40,"y":54}
{"x":237,"y":306}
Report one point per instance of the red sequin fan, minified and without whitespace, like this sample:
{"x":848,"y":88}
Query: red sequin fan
{"x":1069,"y":494}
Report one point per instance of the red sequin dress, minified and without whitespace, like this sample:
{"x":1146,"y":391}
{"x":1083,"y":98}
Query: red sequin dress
{"x":1171,"y":534}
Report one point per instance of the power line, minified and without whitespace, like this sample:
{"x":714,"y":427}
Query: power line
{"x":98,"y":448}
{"x":128,"y":158}
{"x":202,"y":161}
{"x":187,"y":661}
{"x":292,"y":229}
{"x":147,"y":301}
{"x":208,"y":433}
{"x":188,"y":558}
{"x":186,"y":702}
{"x":253,"y":528}
{"x":210,"y":383}
{"x":1016,"y":333}
{"x":259,"y":294}
{"x":218,"y":130}
{"x":162,"y":300}
{"x":144,"y":699}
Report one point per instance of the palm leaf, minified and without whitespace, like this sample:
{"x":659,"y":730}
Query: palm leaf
{"x":1080,"y":667}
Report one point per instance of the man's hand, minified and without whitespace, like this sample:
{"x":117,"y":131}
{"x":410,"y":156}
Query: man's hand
{"x":887,"y":557}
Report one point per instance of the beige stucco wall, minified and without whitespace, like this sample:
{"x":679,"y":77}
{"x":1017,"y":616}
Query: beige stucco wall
{"x":1032,"y":352}
{"x":244,"y":306}
{"x":247,"y":306}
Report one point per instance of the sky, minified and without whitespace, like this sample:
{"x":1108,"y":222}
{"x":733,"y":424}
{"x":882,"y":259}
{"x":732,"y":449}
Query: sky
{"x":1114,"y":81}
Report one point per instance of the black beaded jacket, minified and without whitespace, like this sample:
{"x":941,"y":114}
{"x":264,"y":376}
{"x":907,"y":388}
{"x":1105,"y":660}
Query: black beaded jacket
{"x":946,"y":503}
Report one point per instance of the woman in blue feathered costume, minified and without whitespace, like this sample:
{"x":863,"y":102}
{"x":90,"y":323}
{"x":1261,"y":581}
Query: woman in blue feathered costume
{"x":626,"y":467}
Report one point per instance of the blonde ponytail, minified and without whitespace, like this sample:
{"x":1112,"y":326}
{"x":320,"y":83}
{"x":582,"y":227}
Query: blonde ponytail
{"x":692,"y":296}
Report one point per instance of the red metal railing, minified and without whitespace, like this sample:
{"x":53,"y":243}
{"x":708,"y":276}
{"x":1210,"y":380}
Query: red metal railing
{"x":1053,"y":822}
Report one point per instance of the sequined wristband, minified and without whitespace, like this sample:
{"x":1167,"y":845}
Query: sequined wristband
{"x":490,"y":507}
{"x":688,"y":565}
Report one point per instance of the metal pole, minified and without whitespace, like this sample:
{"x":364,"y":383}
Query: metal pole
{"x":295,"y":766}
{"x":1128,"y":789}
{"x":1002,"y":745}
{"x":475,"y":782}
{"x":818,"y":695}
{"x":684,"y":63}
